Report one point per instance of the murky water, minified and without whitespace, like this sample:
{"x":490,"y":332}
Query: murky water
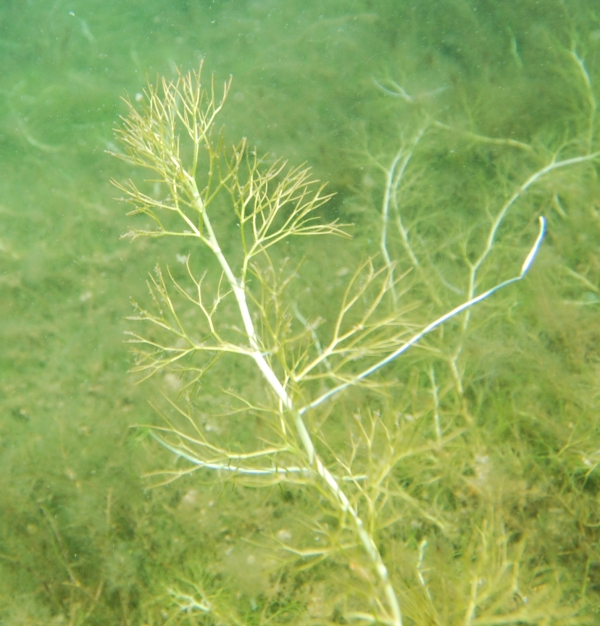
{"x":445,"y":129}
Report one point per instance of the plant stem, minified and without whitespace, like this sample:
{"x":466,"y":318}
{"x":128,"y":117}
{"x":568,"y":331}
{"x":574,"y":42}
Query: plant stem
{"x":314,"y":461}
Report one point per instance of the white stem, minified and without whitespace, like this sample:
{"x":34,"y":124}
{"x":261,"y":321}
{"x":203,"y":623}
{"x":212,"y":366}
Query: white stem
{"x":238,"y":288}
{"x":438,"y":322}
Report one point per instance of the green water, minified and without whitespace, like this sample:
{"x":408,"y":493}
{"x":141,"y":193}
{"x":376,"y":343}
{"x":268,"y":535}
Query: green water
{"x":502,"y":89}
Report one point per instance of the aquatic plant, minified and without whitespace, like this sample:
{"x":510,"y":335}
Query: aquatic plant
{"x":259,"y":381}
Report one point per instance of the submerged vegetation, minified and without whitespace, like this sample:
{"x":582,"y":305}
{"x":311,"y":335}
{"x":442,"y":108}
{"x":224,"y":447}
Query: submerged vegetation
{"x":378,"y":405}
{"x":374,"y":473}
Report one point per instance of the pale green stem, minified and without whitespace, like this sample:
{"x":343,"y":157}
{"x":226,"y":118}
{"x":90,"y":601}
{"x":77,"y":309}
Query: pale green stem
{"x":238,"y":288}
{"x":465,"y":306}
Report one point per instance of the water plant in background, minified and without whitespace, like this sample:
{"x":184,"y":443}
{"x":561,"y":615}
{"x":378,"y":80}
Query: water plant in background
{"x":267,"y":391}
{"x":481,"y":96}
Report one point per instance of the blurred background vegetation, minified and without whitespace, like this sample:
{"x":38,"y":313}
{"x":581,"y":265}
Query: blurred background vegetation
{"x":82,"y":538}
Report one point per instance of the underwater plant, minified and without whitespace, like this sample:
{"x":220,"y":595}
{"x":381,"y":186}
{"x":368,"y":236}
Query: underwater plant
{"x":259,"y":378}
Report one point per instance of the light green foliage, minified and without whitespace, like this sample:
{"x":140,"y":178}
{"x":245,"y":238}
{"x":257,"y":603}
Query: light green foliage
{"x":384,"y":479}
{"x":270,"y":204}
{"x":446,"y":129}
